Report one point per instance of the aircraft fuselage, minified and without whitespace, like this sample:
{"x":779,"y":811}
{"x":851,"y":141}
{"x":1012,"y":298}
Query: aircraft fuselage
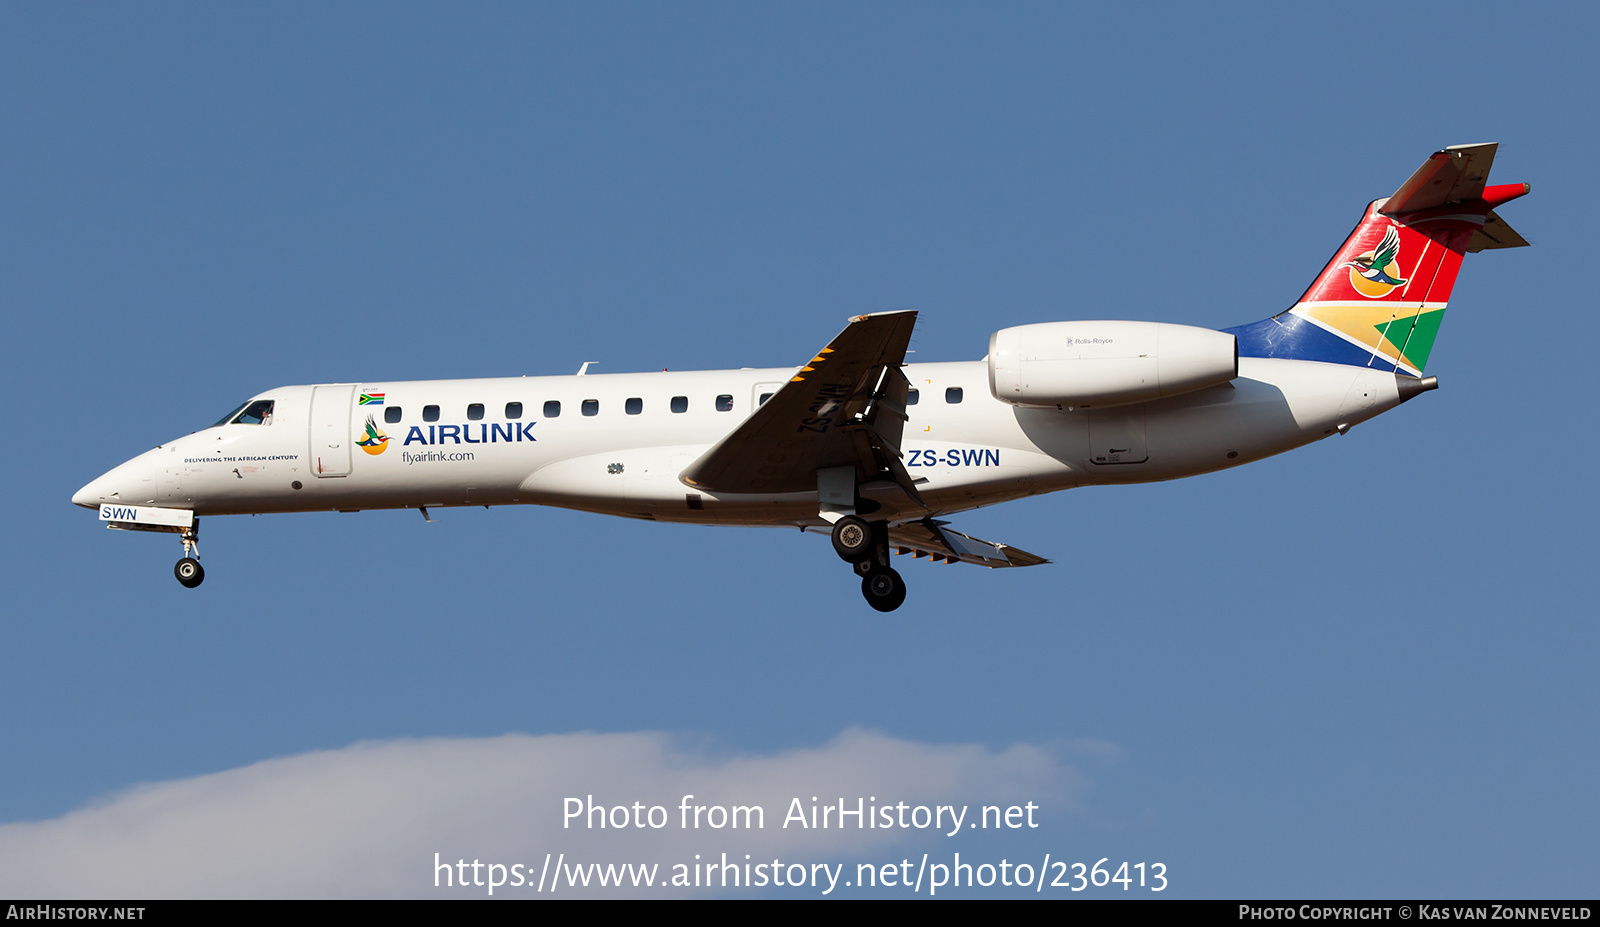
{"x":597,"y":454}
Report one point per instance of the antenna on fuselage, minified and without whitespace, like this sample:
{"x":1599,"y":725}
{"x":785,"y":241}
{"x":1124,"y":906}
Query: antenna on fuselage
{"x":585,"y":368}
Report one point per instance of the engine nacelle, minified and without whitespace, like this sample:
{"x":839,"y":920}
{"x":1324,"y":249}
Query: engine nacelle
{"x":1095,"y":364}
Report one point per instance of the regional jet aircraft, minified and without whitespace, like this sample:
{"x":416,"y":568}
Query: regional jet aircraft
{"x":855,"y":442}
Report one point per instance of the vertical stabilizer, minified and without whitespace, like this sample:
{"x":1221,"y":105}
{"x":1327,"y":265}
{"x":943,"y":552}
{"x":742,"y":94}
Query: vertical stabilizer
{"x":1380,"y":300}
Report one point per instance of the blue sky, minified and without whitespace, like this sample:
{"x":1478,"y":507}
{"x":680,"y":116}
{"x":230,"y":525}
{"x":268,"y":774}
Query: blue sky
{"x":1358,"y":669}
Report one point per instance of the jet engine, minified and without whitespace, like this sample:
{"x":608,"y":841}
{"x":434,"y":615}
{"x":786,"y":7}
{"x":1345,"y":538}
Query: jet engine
{"x":1096,"y":364}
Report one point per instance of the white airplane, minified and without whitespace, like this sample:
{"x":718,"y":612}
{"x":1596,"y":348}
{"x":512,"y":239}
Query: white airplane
{"x":855,"y":442}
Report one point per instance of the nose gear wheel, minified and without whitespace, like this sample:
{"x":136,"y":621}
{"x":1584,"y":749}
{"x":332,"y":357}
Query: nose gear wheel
{"x":189,"y":572}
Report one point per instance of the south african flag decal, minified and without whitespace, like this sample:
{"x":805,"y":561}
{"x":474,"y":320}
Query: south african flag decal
{"x":371,"y":399}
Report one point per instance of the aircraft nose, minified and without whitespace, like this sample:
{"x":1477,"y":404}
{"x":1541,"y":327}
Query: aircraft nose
{"x":92,"y":494}
{"x":129,"y":483}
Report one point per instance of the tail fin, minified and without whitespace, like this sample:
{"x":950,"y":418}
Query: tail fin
{"x":1379,"y":302}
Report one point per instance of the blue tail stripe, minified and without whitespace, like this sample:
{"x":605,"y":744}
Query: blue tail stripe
{"x":1290,"y":337}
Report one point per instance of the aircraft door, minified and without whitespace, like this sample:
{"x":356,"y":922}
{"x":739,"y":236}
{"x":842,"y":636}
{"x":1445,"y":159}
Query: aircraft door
{"x":330,"y":430}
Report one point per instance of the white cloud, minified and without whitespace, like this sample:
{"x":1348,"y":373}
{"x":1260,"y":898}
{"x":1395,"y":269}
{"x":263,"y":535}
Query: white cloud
{"x":365,"y":821}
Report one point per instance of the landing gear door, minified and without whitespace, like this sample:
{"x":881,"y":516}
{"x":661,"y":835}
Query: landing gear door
{"x":330,"y":430}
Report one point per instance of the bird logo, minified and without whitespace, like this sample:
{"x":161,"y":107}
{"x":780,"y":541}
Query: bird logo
{"x":373,"y":441}
{"x":1374,"y":274}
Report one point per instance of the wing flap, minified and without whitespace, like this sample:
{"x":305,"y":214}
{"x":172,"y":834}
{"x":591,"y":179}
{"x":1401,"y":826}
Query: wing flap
{"x":930,"y":538}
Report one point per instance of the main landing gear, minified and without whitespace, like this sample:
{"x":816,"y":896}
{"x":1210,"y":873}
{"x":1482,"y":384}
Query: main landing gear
{"x":188,"y":570}
{"x":865,"y":545}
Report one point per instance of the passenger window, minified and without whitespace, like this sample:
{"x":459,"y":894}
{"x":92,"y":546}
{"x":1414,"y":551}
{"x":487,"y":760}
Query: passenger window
{"x":633,"y":406}
{"x":475,"y":412}
{"x":763,"y":400}
{"x":513,"y":410}
{"x":257,"y":413}
{"x":680,"y":403}
{"x":724,"y":403}
{"x":591,"y":407}
{"x":430,"y":413}
{"x":391,"y":415}
{"x":912,"y":396}
{"x":952,"y":395}
{"x":552,"y":408}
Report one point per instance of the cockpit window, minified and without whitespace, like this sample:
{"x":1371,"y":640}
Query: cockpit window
{"x":256,"y":413}
{"x":229,"y":417}
{"x":249,"y":413}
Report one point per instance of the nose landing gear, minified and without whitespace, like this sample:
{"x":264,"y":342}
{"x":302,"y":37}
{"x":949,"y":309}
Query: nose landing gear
{"x":865,"y":545}
{"x":188,"y":570}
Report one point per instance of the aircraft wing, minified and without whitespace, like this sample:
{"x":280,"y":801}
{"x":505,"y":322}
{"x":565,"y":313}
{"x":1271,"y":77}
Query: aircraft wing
{"x":930,"y":538}
{"x":846,"y":406}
